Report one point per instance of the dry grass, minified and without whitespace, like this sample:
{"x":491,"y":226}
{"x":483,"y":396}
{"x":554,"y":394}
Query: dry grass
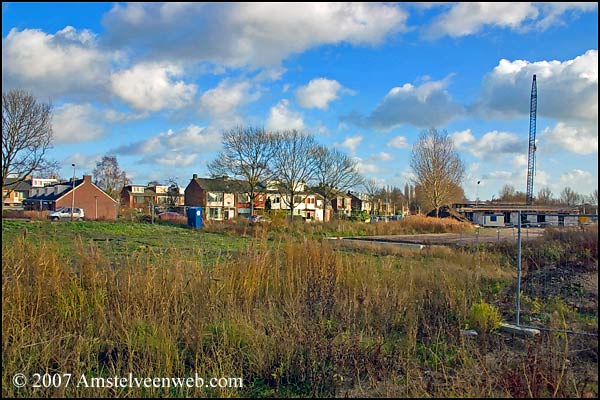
{"x":293,"y":317}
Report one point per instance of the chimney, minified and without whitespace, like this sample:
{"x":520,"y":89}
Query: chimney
{"x":87,"y":178}
{"x":225,"y":177}
{"x":195,"y":176}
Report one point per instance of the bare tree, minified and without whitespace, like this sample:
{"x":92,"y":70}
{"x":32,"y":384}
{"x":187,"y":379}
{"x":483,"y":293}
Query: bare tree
{"x":569,"y":197}
{"x":336,"y":174}
{"x":173,"y":194}
{"x":372,"y":190}
{"x":437,"y":167}
{"x":593,"y":198}
{"x":245,"y":156}
{"x":293,"y":164}
{"x":109,"y":177}
{"x":26,"y":136}
{"x":545,"y":196}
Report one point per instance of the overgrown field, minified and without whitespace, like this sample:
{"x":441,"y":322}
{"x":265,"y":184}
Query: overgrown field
{"x":290,"y":313}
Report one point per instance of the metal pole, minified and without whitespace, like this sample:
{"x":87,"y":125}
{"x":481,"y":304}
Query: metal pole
{"x":96,"y":197}
{"x":518,"y":306}
{"x":73,"y":193}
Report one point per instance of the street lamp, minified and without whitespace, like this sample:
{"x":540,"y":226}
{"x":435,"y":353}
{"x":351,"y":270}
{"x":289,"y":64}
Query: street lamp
{"x":96,"y":197}
{"x":73,"y":193}
{"x":477,"y":194}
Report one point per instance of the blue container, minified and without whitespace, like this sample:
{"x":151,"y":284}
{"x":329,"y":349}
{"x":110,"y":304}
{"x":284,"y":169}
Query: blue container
{"x":194,"y":217}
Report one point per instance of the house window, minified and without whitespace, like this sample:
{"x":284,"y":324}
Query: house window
{"x":276,"y":200}
{"x":215,"y":213}
{"x":137,"y":189}
{"x":310,"y":200}
{"x":138,"y":199}
{"x":492,"y":218}
{"x":214,"y":197}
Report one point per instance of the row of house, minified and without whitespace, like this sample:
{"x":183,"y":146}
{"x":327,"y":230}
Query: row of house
{"x":224,"y":198}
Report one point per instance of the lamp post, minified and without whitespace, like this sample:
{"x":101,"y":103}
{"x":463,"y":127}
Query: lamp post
{"x":73,"y":193}
{"x":477,"y":194}
{"x":96,"y":197}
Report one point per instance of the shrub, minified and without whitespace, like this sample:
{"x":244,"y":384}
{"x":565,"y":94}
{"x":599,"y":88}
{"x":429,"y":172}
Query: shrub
{"x":484,"y":317}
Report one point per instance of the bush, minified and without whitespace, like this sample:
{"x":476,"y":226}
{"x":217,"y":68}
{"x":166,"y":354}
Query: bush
{"x":484,"y":317}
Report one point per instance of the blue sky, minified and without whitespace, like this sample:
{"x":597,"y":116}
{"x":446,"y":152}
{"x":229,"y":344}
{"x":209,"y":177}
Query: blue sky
{"x":156,"y":84}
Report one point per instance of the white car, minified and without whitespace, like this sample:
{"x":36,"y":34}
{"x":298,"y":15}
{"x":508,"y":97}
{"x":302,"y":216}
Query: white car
{"x":65,"y":214}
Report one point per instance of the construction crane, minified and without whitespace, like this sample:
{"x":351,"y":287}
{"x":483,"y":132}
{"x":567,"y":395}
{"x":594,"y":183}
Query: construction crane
{"x":531,"y":155}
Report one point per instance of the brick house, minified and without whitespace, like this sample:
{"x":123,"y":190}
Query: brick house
{"x":141,"y":197}
{"x":94,"y":201}
{"x":221,"y":198}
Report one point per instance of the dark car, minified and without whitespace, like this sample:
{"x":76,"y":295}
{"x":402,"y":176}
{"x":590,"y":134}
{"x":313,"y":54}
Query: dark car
{"x":258,"y":219}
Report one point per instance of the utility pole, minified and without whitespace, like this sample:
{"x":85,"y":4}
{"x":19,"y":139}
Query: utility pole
{"x":73,"y":193}
{"x":518,"y":305}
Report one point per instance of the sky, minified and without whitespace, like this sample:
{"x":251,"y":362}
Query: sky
{"x":156,"y":84}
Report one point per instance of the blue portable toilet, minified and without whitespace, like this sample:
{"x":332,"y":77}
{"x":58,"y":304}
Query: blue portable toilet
{"x":194,"y":217}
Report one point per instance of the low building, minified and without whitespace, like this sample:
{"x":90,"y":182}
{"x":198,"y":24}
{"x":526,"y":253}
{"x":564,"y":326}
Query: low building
{"x":497,"y":214}
{"x":83,"y":193}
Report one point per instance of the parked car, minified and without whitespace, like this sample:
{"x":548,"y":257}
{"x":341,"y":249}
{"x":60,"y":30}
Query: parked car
{"x":170,"y":216}
{"x":258,"y":219}
{"x":65,"y":214}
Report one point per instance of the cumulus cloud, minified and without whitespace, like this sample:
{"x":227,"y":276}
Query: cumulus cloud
{"x":173,"y":148}
{"x":398,"y":142}
{"x":582,"y":139}
{"x":494,"y":144}
{"x":461,"y":138}
{"x":465,"y":19}
{"x":82,"y":161}
{"x":226,"y":97}
{"x":351,"y":143}
{"x":318,"y":93}
{"x":237,"y":34}
{"x":281,"y":117}
{"x":50,"y":65}
{"x":76,"y":123}
{"x":152,"y":87}
{"x":579,"y":180}
{"x":567,"y":90}
{"x":424,"y":106}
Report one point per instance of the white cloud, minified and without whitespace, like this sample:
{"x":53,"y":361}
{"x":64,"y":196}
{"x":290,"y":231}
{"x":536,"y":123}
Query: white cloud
{"x":54,"y":64}
{"x":494,"y":144}
{"x":567,"y":90}
{"x":383,"y":156}
{"x":579,"y":180}
{"x":462,"y":137}
{"x":172,"y":145}
{"x":318,"y":93}
{"x":398,"y":142}
{"x":351,"y":143}
{"x":151,"y":87}
{"x":365,"y":167}
{"x":424,"y":106}
{"x":520,"y":161}
{"x":237,"y":34}
{"x":226,"y":97}
{"x":465,"y":19}
{"x":86,"y":162}
{"x":468,"y":18}
{"x":76,"y":123}
{"x":582,"y":139}
{"x":175,"y":159}
{"x":282,"y":118}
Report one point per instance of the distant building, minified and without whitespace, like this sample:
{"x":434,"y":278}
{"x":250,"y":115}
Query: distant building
{"x":222,"y":198}
{"x":83,"y":193}
{"x":498,"y":214}
{"x":15,"y":193}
